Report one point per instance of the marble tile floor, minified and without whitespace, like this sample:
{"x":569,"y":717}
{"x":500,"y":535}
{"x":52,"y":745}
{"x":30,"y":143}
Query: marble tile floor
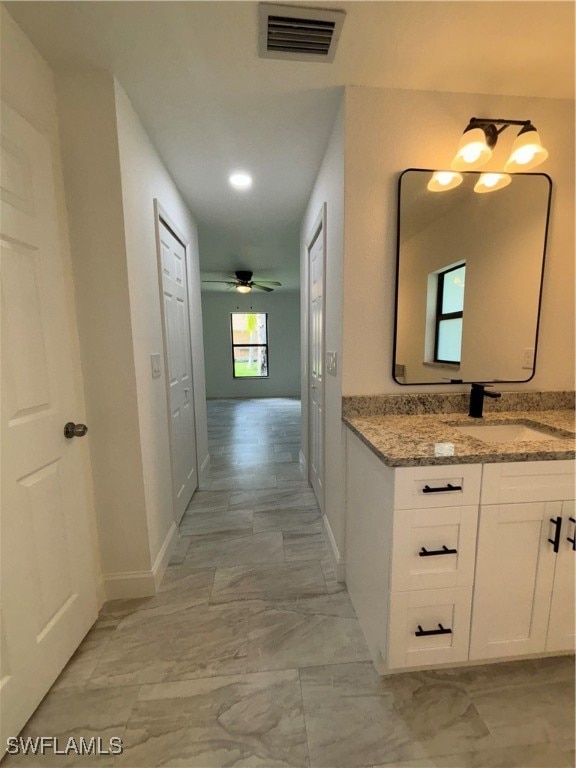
{"x":250,"y":655}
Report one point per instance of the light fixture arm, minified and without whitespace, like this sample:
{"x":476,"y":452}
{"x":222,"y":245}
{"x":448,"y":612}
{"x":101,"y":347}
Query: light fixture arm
{"x":488,"y":125}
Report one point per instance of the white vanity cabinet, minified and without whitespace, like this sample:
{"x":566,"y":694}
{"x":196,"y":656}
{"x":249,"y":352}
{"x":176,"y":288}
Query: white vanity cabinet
{"x":410,"y":552}
{"x":446,"y":564}
{"x":524,"y":586}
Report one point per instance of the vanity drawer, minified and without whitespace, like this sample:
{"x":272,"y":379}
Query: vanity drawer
{"x":419,"y":624}
{"x":437,"y":486}
{"x":434,"y":548}
{"x":511,"y":482}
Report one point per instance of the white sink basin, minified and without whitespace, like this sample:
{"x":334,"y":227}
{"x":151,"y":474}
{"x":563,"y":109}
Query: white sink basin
{"x":505,"y":433}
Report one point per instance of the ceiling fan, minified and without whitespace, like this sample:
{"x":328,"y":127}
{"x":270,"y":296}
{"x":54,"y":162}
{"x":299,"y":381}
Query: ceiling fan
{"x":243,"y":283}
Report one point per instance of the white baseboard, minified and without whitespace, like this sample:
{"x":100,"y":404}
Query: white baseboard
{"x":335,"y":556}
{"x":129,"y":584}
{"x":163,"y":557}
{"x":101,"y":596}
{"x":203,"y":483}
{"x":141,"y":583}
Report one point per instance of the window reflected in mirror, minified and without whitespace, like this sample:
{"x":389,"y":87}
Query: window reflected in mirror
{"x":449,"y":314}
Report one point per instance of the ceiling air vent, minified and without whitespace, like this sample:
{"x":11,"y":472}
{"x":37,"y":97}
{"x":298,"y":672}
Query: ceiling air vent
{"x":297,"y":33}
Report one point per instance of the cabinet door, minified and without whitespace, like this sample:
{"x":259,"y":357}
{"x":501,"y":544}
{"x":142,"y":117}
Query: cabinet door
{"x":514,"y":576}
{"x":561,"y":624}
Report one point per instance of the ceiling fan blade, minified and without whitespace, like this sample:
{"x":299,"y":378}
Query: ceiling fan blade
{"x":261,"y":287}
{"x":226,"y":282}
{"x":268,"y":282}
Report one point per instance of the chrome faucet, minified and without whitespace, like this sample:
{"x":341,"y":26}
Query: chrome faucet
{"x":477,"y":399}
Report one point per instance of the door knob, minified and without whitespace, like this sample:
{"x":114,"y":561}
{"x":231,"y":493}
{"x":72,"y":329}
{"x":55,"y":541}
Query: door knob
{"x":74,"y":430}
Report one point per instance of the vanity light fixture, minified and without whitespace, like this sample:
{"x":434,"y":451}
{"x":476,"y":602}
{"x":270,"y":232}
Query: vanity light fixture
{"x":490,"y":182}
{"x":441,"y":181}
{"x":480,"y":137}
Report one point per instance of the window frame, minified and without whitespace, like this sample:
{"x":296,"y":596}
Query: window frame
{"x":233,"y":346}
{"x":440,"y":316}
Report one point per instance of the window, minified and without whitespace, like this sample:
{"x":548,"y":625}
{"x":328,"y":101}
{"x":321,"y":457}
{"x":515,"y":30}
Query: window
{"x":449,"y":315}
{"x":250,"y":345}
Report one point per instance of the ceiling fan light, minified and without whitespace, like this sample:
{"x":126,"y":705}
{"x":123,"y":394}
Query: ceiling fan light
{"x":442,"y":181}
{"x":243,"y":288}
{"x":490,"y":182}
{"x":527,"y":151}
{"x":473,"y":150}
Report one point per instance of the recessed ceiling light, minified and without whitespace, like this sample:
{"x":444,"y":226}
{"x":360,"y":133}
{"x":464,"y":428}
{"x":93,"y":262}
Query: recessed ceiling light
{"x":240,"y":180}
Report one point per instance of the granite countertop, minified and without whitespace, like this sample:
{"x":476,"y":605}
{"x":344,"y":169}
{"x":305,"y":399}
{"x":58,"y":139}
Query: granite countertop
{"x":425,"y":439}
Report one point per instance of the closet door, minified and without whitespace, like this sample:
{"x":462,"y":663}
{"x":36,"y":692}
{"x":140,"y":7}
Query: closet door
{"x":178,"y":348}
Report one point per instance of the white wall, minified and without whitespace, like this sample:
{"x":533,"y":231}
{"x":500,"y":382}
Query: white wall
{"x":329,"y":189}
{"x":92,"y":174}
{"x":390,"y":130}
{"x":144,"y":178}
{"x":113,"y":175}
{"x":28,"y":87}
{"x":283,"y":310}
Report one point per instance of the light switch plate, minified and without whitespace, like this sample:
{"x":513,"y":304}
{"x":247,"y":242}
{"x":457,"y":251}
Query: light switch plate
{"x":331,"y":363}
{"x":156,"y":363}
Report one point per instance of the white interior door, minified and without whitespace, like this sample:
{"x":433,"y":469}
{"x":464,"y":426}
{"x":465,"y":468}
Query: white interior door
{"x":316,"y":363}
{"x":48,"y":576}
{"x":179,"y":367}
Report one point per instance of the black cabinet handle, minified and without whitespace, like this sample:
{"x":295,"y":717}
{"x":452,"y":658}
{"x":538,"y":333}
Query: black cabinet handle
{"x":427,"y":632}
{"x":442,"y":489}
{"x":432,"y":553}
{"x":557,"y":521}
{"x":572,"y":541}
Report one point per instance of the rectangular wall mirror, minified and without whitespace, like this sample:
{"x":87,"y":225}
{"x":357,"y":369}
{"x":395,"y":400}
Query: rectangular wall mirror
{"x":469,"y":279}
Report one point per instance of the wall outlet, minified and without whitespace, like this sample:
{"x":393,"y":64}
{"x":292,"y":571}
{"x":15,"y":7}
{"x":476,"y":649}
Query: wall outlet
{"x":528,"y":358}
{"x":331,"y":363}
{"x":156,"y":363}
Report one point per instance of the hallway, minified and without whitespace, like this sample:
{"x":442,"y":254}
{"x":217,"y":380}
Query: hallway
{"x":251,"y":655}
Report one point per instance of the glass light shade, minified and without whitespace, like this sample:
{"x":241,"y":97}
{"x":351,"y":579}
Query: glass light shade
{"x":441,"y":181}
{"x":473,"y":151}
{"x":527,"y":152}
{"x":243,"y":288}
{"x":490,"y":182}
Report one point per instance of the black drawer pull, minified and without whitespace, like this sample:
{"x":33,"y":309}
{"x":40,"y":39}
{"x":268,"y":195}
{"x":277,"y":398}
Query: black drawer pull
{"x":557,"y":521}
{"x":444,"y":551}
{"x":572,"y":541}
{"x":442,"y":488}
{"x":426,"y":632}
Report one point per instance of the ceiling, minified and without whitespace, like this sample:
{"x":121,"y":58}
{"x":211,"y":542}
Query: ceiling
{"x":210,"y":105}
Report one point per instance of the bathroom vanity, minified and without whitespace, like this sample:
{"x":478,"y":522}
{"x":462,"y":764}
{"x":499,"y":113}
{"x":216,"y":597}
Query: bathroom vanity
{"x":460,"y":545}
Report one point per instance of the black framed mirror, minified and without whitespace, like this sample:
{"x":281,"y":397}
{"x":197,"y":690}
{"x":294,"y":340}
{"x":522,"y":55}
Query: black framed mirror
{"x":469,"y":271}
